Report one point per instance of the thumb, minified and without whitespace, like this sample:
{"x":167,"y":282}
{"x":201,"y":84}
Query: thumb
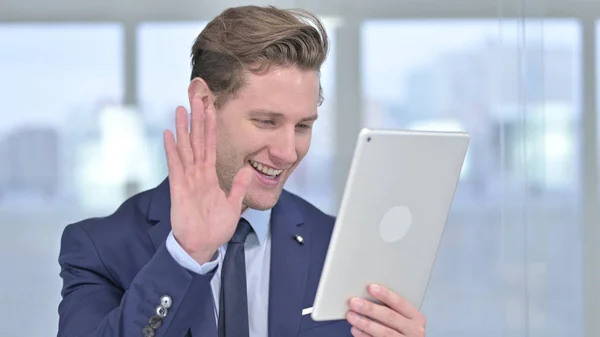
{"x":239,"y":187}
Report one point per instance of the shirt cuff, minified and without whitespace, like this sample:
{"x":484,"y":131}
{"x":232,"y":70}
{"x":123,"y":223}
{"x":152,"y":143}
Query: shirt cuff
{"x":186,"y":261}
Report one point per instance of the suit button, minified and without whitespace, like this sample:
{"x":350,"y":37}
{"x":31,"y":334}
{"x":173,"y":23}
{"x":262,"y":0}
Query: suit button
{"x":161,"y":311}
{"x":148,"y":331}
{"x":155,"y":322}
{"x":166,"y":301}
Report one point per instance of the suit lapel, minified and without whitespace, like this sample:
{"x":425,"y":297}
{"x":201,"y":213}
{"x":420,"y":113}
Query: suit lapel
{"x":289,"y":267}
{"x":159,"y":214}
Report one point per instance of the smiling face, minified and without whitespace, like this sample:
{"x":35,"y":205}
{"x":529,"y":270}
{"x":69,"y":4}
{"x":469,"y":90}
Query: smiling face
{"x":267,"y":124}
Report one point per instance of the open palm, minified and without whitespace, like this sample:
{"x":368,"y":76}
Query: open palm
{"x":203,"y":216}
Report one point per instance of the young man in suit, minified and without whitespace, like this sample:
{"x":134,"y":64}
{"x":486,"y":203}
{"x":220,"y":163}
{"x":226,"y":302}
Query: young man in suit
{"x":219,"y":248}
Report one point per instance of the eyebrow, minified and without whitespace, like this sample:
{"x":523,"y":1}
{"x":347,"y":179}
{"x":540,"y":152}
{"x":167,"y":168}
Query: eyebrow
{"x":275,"y":114}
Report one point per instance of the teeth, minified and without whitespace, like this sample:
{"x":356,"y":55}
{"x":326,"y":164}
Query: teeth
{"x":265,"y":169}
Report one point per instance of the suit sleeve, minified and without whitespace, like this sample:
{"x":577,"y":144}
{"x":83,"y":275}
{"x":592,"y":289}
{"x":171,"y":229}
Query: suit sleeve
{"x":162,"y":299}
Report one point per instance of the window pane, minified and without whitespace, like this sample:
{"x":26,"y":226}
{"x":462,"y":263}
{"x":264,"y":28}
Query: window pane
{"x":510,"y":257}
{"x":164,"y":71}
{"x":54,"y":79}
{"x":164,"y":66}
{"x":163,"y":76}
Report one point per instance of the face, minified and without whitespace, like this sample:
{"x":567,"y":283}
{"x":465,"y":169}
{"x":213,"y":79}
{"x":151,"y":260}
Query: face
{"x":267,"y":125}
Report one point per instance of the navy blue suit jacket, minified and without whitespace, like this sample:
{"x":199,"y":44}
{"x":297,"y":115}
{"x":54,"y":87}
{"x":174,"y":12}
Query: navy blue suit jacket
{"x":116,"y":268}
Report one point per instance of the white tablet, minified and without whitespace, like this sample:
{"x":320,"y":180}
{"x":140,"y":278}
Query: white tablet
{"x":393,"y":212}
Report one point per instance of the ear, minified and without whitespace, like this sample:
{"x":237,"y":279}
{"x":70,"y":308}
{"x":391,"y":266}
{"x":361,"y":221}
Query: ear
{"x":199,"y":88}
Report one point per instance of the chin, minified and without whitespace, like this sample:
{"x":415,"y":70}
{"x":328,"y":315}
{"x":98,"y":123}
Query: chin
{"x":262,"y":200}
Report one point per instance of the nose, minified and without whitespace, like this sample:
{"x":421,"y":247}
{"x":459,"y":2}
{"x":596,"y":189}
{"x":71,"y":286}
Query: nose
{"x":283,"y":148}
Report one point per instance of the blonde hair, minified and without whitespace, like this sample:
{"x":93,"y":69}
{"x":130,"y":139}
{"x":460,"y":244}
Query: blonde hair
{"x":254,"y":39}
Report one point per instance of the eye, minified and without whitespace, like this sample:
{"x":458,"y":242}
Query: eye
{"x":304,"y":126}
{"x":265,"y":121}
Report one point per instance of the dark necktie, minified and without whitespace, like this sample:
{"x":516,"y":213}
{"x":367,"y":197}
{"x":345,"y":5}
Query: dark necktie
{"x":233,"y":301}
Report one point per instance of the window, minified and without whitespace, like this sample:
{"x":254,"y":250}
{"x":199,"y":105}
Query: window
{"x":55,"y":79}
{"x":511,"y":244}
{"x":164,"y":66}
{"x":163,"y":59}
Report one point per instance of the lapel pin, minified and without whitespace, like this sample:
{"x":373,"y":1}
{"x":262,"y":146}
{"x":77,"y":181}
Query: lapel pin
{"x":299,"y":238}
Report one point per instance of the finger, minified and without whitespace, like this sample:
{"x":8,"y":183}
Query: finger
{"x":173,"y":160}
{"x":394,"y":301}
{"x":183,"y":137}
{"x":358,"y":333}
{"x":197,"y":129}
{"x":239,"y":187}
{"x":382,"y":314}
{"x":210,"y":135}
{"x":369,"y":326}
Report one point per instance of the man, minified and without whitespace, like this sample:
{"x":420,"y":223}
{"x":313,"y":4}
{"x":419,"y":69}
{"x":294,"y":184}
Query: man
{"x":219,"y":248}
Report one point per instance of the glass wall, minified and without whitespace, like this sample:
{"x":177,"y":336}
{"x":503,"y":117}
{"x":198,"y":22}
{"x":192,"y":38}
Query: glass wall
{"x":54,"y":78}
{"x":510,"y":259}
{"x":510,"y":262}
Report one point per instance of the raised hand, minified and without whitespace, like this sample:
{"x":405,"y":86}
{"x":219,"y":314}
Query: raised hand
{"x":203,"y":216}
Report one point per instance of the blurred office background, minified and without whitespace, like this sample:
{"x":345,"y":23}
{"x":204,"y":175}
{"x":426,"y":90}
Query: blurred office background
{"x":86,"y":89}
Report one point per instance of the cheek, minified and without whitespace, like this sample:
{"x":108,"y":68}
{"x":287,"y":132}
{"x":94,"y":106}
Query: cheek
{"x":231,"y":135}
{"x":302,"y":146}
{"x":228,"y":147}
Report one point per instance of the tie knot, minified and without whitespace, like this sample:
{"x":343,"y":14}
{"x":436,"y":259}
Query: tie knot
{"x":242,"y":231}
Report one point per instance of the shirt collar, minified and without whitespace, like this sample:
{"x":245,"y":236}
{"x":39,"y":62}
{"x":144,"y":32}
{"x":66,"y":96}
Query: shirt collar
{"x":259,"y":220}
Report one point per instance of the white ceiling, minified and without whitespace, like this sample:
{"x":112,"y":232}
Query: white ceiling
{"x":169,"y":10}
